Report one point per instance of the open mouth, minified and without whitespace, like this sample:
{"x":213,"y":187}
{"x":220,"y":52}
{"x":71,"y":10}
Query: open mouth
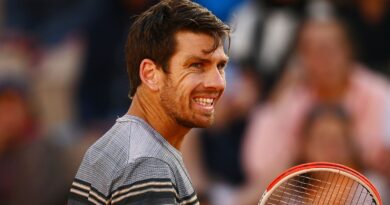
{"x":205,"y":102}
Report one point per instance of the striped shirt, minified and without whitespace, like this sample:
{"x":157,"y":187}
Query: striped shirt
{"x":132,"y":164}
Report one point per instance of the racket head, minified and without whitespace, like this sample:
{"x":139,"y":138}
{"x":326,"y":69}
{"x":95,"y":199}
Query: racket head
{"x":314,"y":183}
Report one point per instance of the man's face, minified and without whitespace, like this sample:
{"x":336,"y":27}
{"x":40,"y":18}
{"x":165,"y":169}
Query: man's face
{"x":196,"y":80}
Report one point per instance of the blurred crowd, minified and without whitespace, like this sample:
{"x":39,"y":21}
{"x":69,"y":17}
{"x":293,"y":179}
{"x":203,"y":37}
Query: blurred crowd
{"x":308,"y":80}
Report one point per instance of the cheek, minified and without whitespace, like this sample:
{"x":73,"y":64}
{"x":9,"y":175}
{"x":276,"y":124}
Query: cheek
{"x":187,"y":85}
{"x":317,"y":146}
{"x":179,"y":93}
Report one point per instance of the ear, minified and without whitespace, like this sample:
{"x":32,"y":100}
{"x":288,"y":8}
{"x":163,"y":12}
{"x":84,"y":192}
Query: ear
{"x":149,"y":72}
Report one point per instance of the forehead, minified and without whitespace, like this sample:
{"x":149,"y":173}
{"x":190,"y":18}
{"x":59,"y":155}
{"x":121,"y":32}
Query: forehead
{"x":197,"y":44}
{"x":321,"y":32}
{"x":330,"y":119}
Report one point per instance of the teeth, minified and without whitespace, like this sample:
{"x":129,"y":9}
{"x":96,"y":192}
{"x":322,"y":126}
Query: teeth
{"x":205,"y":101}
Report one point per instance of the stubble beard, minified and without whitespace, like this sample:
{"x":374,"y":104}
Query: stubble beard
{"x":171,"y":107}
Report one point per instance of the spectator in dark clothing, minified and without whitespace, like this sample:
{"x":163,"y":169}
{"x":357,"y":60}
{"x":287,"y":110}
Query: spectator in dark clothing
{"x":29,"y":164}
{"x":49,"y":22}
{"x":104,"y":62}
{"x":369,"y":21}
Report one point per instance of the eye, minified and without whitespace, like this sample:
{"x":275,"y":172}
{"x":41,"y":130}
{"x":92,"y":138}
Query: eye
{"x":196,"y":65}
{"x":221,"y":66}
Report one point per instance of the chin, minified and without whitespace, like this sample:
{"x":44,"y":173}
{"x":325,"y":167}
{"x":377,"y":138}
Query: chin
{"x":203,"y":125}
{"x":195,"y":123}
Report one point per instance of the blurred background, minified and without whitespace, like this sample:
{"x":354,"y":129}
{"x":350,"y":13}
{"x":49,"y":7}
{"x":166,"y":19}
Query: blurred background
{"x":308,"y":81}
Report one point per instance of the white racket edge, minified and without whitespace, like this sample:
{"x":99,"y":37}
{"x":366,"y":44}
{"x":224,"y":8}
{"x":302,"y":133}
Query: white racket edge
{"x":268,"y":193}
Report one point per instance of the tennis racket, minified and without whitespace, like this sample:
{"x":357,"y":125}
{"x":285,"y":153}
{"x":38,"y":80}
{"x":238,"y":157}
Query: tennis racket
{"x":321,"y":183}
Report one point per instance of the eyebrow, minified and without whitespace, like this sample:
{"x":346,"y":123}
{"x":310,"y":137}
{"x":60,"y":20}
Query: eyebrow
{"x":205,"y":60}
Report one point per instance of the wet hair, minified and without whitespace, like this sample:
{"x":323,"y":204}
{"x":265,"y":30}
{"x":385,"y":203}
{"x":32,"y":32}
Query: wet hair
{"x":152,"y":35}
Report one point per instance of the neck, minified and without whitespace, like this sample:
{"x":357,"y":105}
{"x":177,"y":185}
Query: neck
{"x":331,"y":93}
{"x":149,"y":110}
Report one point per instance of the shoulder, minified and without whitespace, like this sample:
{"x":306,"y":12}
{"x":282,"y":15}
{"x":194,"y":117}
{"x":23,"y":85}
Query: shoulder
{"x":129,"y":163}
{"x":126,"y":141}
{"x":131,"y":182}
{"x":144,"y":181}
{"x":369,"y":80}
{"x":368,"y":85}
{"x":126,"y":144}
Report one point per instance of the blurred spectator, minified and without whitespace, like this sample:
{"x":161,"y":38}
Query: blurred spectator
{"x":29,"y":164}
{"x":54,"y":77}
{"x":221,"y":8}
{"x":50,"y":42}
{"x":103,"y":84}
{"x":263,"y":36}
{"x":54,"y":30}
{"x":49,"y":22}
{"x":16,"y":122}
{"x":324,"y":72}
{"x":326,"y":136}
{"x":370,"y":23}
{"x":77,"y":45}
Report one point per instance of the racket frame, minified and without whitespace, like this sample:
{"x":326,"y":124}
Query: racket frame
{"x":321,"y":166}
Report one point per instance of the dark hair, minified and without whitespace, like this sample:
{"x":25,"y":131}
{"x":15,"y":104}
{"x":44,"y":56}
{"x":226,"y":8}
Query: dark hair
{"x":320,"y":110}
{"x":152,"y":34}
{"x":339,"y":112}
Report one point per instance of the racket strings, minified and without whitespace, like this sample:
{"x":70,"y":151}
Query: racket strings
{"x":319,"y":188}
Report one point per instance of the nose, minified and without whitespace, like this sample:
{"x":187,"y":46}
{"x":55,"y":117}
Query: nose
{"x":215,"y":79}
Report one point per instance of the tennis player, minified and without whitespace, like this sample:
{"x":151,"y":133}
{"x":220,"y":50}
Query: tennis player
{"x":175,"y":61}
